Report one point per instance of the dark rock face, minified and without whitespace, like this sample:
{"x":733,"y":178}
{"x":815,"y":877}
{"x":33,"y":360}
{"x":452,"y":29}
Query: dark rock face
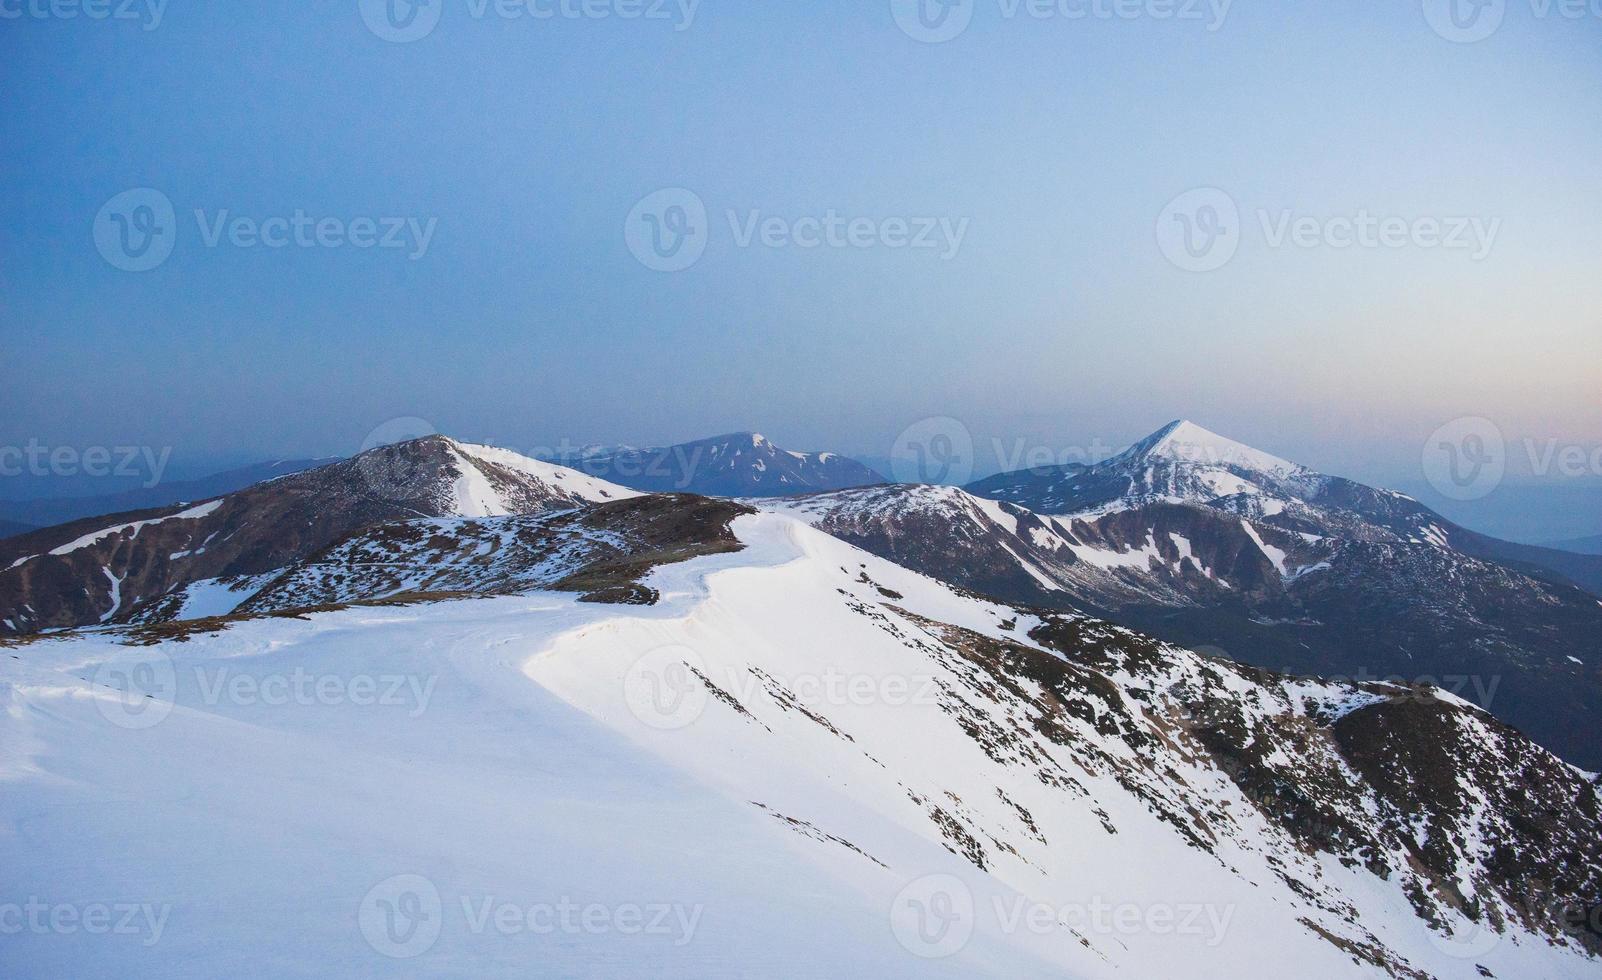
{"x":600,"y":551}
{"x":1449,"y":778}
{"x":1406,"y":783}
{"x":740,"y":465}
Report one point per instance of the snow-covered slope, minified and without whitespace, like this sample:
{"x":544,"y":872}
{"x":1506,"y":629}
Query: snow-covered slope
{"x":493,"y":482}
{"x":810,"y":761}
{"x":1001,"y":549}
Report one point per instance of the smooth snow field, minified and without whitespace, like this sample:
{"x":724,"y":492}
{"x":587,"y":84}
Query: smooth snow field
{"x":537,"y":787}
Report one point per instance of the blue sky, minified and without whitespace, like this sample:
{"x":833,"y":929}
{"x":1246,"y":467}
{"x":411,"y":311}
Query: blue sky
{"x":1055,"y":143}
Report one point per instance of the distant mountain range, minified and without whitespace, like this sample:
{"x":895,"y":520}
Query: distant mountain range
{"x":743,"y":464}
{"x":12,"y":528}
{"x":1581,"y":546}
{"x":1209,"y":543}
{"x":1192,"y":537}
{"x":47,"y":512}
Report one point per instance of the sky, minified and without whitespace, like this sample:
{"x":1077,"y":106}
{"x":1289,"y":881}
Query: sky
{"x":1022,"y":195}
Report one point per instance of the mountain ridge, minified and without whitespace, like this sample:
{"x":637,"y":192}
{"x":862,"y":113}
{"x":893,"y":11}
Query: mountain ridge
{"x":101,"y":569}
{"x":1187,"y":536}
{"x":736,"y":464}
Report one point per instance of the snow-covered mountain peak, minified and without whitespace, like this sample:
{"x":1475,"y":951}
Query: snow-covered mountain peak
{"x":1180,"y":463}
{"x":734,"y":440}
{"x":1186,"y":442}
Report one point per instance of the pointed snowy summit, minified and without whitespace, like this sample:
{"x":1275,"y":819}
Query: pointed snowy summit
{"x":1186,"y":442}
